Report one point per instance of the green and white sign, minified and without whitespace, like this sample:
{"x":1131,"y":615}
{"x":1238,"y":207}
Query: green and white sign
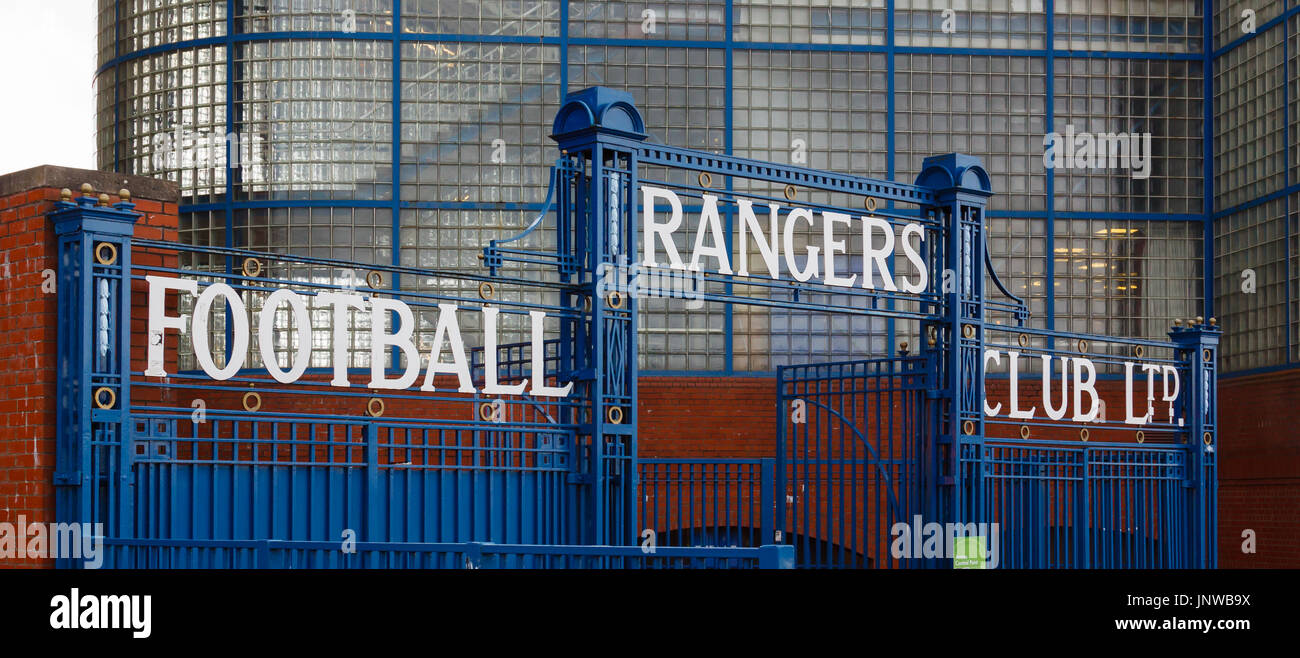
{"x":968,"y":553}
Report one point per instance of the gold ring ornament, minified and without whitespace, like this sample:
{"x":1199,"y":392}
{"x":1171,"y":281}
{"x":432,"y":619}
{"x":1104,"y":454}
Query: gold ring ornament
{"x":112,"y":398}
{"x":99,"y":253}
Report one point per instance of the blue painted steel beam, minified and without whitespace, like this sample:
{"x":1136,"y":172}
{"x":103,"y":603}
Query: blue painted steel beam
{"x":1207,"y":155}
{"x":1049,"y":264}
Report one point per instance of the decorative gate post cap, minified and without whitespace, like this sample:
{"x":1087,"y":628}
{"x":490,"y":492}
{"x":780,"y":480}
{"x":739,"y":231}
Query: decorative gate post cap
{"x":95,"y":214}
{"x":1192,"y":332}
{"x":610,"y":110}
{"x":955,"y":171}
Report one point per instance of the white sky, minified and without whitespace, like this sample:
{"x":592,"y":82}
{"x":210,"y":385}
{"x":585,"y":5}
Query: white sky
{"x":47,"y":68}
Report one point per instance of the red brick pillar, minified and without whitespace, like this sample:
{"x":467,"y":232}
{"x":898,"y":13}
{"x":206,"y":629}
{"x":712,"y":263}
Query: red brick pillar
{"x":1259,"y":471}
{"x":29,"y":333}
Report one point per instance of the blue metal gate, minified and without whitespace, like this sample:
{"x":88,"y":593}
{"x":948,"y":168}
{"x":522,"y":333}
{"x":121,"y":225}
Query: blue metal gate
{"x":1105,"y":493}
{"x":1040,"y":493}
{"x":848,"y":458}
{"x":222,"y":454}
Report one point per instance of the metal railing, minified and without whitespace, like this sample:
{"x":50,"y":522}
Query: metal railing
{"x":278,"y":554}
{"x":707,"y":502}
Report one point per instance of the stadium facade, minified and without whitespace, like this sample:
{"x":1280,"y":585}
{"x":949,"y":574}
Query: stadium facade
{"x":412,"y":132}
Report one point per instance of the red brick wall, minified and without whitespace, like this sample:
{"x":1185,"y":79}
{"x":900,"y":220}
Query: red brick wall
{"x":736,"y":416}
{"x":1259,"y":469}
{"x":28,"y":347}
{"x":28,"y":325}
{"x":707,"y":416}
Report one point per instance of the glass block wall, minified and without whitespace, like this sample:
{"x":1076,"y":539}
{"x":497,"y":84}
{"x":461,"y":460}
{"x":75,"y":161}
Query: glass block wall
{"x":1256,"y":151}
{"x":413,"y":132}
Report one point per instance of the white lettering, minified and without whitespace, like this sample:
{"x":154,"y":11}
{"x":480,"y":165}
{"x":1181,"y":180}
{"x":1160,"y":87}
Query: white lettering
{"x":159,"y":321}
{"x":661,"y":232}
{"x":239,"y":327}
{"x":381,"y":340}
{"x":266,"y":340}
{"x":448,"y":329}
{"x":810,"y":265}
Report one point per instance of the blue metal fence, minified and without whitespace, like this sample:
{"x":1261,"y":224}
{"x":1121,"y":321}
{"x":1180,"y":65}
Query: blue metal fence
{"x":1071,"y":507}
{"x":708,"y":502}
{"x":295,"y":477}
{"x":281,"y":554}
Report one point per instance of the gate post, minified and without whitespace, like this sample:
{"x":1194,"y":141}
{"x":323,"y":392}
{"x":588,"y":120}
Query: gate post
{"x":767,"y":526}
{"x":92,"y":469}
{"x":599,"y":130}
{"x":962,"y":189}
{"x":1198,"y":345}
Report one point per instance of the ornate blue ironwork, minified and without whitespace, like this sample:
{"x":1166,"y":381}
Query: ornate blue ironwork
{"x":284,"y":485}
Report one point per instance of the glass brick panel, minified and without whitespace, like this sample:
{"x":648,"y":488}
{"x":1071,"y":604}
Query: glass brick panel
{"x":1127,"y":278}
{"x":1099,"y":100}
{"x":810,"y":21}
{"x":970,"y":23}
{"x":1248,"y":150}
{"x":1250,"y":283}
